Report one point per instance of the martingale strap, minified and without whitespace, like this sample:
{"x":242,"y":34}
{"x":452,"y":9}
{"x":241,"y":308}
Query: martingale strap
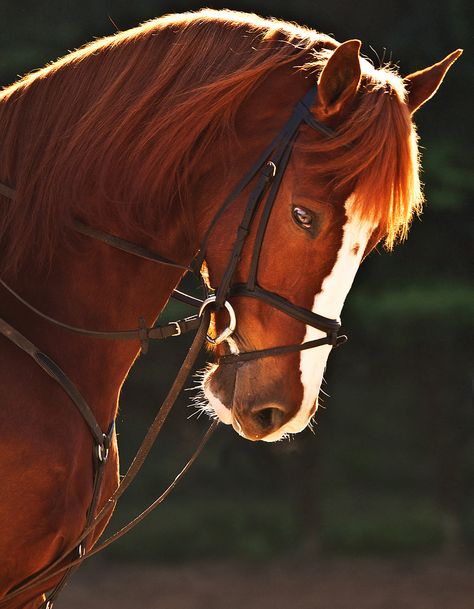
{"x":54,"y":371}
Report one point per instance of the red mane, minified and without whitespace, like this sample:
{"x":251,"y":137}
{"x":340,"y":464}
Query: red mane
{"x":131,"y":117}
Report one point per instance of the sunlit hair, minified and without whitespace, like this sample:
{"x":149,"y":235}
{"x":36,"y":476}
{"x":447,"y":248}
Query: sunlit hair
{"x":377,"y":151}
{"x":132,"y":118}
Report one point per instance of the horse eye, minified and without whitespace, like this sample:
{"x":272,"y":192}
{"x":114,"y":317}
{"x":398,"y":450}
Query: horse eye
{"x":302,"y":217}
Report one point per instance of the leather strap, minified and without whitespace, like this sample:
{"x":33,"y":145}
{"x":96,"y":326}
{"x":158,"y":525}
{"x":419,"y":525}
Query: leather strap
{"x":54,"y":371}
{"x":100,"y":460}
{"x":112,"y":240}
{"x":237,"y":358}
{"x":278,"y":302}
{"x":125,"y":246}
{"x":101,"y":441}
{"x":173,"y":328}
{"x":242,"y":233}
{"x":158,"y":501}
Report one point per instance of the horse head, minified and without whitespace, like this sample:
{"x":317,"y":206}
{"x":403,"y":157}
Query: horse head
{"x":341,"y":193}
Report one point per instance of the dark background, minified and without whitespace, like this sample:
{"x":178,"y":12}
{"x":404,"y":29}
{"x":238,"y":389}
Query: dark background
{"x":389,"y":470}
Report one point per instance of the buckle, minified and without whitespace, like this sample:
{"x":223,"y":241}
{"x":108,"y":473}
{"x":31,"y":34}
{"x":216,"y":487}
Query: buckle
{"x":178,"y":331}
{"x":104,"y":448}
{"x":341,"y":339}
{"x":103,"y":451}
{"x":270,"y":169}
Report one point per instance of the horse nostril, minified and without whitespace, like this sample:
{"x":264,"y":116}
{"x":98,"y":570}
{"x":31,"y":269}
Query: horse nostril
{"x":256,"y":422}
{"x":269,"y":418}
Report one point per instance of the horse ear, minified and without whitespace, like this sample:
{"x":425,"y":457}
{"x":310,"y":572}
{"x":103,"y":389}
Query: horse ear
{"x":422,"y":85}
{"x":339,"y":79}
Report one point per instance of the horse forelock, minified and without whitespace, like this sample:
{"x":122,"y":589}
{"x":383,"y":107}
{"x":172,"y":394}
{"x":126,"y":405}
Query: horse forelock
{"x":377,"y":154}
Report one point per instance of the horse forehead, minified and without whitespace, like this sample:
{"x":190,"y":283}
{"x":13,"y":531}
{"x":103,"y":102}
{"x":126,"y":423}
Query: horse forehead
{"x":310,"y":177}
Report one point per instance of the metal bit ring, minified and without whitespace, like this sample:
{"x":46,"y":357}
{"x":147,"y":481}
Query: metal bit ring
{"x":232,"y":321}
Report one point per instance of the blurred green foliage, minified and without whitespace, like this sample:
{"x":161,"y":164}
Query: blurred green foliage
{"x":390,"y":468}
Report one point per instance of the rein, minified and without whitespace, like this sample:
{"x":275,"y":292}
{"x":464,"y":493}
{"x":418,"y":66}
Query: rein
{"x":268,"y":171}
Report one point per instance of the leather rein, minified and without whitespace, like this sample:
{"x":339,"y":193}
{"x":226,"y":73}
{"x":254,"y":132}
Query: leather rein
{"x":268,"y":172}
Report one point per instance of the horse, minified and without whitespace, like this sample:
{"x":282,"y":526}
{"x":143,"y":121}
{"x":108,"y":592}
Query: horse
{"x":142,"y":135}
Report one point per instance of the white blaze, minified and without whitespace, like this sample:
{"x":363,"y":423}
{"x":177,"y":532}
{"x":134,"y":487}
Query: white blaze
{"x":328,"y":302}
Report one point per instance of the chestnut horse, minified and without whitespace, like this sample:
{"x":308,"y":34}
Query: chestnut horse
{"x":143,"y":135}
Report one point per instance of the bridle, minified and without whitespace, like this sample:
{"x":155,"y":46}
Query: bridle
{"x":268,"y":170}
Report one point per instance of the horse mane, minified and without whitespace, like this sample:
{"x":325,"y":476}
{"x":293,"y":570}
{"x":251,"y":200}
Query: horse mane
{"x":129,"y":118}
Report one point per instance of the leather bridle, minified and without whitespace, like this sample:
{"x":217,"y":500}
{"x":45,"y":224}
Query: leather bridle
{"x":268,"y":170}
